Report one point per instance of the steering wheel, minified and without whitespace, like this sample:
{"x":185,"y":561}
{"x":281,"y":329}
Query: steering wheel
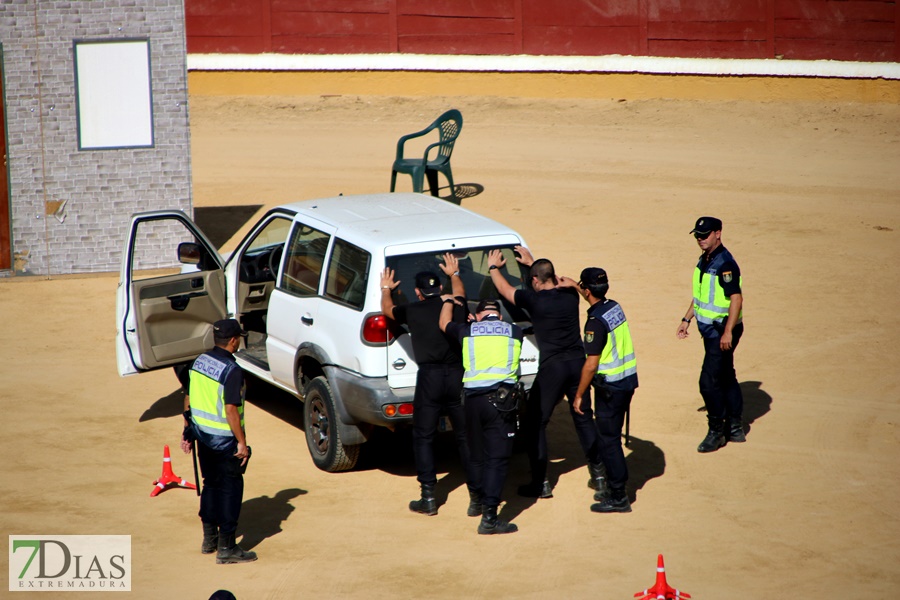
{"x":275,"y":260}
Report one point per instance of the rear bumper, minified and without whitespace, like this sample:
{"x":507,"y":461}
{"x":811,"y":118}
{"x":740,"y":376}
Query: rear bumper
{"x":361,"y":399}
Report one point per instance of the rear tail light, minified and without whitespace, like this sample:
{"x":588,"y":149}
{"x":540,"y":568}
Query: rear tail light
{"x":376,"y":330}
{"x":392,"y":410}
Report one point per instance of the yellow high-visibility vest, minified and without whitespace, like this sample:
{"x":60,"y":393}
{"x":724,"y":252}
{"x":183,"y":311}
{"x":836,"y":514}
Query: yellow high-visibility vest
{"x":710,"y":302}
{"x":490,"y":354}
{"x":207,"y":391}
{"x":617,"y":361}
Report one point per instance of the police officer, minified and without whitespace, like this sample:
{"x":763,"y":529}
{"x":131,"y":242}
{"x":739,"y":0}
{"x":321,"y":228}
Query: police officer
{"x":439,"y":377}
{"x":216,"y":421}
{"x":490,"y":353}
{"x":612,"y":369}
{"x":717,"y":304}
{"x":553,"y":307}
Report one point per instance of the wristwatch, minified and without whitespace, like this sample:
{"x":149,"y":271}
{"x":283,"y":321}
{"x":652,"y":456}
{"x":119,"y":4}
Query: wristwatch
{"x":492,"y":267}
{"x":688,"y":321}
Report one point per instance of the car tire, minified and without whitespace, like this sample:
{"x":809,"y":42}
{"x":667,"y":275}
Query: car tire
{"x":322,"y":434}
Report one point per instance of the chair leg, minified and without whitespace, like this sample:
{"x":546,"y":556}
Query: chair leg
{"x":418,"y":180}
{"x":393,"y":180}
{"x":431,"y":174}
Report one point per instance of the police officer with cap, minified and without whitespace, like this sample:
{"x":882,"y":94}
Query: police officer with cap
{"x":611,"y":368}
{"x":439,"y":377}
{"x":717,"y":303}
{"x":215,"y":419}
{"x":491,"y":349}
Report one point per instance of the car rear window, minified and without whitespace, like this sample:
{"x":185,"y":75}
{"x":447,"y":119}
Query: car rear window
{"x":473,"y":270}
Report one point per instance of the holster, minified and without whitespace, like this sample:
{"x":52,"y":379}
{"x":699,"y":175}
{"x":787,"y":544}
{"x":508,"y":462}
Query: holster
{"x":601,"y":391}
{"x":507,"y":397}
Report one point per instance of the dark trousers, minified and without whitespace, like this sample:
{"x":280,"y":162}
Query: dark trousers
{"x":223,"y":488}
{"x":491,"y":437}
{"x":610,"y":408}
{"x":553,"y":381}
{"x":718,"y":381}
{"x":438,"y":390}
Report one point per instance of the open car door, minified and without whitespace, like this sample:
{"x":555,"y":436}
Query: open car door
{"x":165,"y":307}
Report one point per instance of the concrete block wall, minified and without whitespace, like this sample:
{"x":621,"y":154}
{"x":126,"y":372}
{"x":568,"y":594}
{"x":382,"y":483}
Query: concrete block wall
{"x":102,"y":187}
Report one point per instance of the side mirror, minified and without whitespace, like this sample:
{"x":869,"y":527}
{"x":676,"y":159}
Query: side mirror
{"x":189,"y":253}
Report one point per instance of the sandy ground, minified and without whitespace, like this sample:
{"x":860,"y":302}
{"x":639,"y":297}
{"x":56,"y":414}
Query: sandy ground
{"x":807,"y":508}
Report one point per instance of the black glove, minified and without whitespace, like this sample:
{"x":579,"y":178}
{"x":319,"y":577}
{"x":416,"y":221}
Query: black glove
{"x":188,"y":433}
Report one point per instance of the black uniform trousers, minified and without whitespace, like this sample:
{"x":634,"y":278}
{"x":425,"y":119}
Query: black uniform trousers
{"x":223,"y":488}
{"x":491,"y":438}
{"x":553,"y":381}
{"x":610,"y":407}
{"x":718,"y":380}
{"x":438,"y":390}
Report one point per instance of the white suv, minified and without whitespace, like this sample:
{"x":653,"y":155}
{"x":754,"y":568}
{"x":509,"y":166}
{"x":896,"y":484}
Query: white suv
{"x":304,"y":283}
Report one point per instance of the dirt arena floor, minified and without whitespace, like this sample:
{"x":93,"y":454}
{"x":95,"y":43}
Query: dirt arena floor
{"x":807,"y":508}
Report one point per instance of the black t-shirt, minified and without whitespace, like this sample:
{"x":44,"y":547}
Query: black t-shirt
{"x":430,"y":344}
{"x":554,"y":314}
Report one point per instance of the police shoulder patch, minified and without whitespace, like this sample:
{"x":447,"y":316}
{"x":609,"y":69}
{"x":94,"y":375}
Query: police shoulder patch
{"x":589,"y":337}
{"x":726,"y":277}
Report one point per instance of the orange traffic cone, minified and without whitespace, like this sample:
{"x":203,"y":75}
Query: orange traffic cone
{"x":661,"y":590}
{"x":168,"y":477}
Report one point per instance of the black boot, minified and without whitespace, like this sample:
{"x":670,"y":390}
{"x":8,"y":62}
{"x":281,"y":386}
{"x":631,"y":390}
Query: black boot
{"x":736,"y":430}
{"x":715,"y":438}
{"x":598,"y":481}
{"x":490,"y":524}
{"x":536,"y":490}
{"x":617,"y":502}
{"x":426,"y":505}
{"x":230,"y":553}
{"x":475,"y":506}
{"x":210,"y":538}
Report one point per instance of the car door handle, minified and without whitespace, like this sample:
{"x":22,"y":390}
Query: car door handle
{"x":306,"y":320}
{"x":180,"y":302}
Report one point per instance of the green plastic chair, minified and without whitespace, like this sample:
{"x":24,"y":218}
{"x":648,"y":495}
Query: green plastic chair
{"x":448,"y":126}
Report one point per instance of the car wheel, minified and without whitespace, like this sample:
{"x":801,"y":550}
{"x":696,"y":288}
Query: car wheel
{"x":322,"y":435}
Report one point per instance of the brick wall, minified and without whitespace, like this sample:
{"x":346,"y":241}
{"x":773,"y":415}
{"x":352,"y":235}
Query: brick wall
{"x":103,"y":187}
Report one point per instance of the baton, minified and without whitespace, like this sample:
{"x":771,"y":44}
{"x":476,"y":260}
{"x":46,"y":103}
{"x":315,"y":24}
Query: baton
{"x":196,"y":472}
{"x":628,"y":426}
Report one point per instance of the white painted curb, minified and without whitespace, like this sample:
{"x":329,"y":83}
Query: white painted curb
{"x":543,"y":64}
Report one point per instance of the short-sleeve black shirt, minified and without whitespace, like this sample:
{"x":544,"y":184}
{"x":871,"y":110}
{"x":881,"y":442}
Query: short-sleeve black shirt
{"x":430,"y":344}
{"x":554,"y":314}
{"x":729,"y":273}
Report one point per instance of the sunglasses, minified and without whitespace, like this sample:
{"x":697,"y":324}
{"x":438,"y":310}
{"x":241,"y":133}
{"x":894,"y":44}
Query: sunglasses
{"x":702,"y":236}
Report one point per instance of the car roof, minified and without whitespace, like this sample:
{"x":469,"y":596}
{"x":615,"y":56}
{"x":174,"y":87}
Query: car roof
{"x":390,"y":219}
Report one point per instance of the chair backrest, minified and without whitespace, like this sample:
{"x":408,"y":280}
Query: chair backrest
{"x":450,"y":124}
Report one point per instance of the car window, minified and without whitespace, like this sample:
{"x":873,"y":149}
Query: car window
{"x":348,"y":273}
{"x":274,"y":233}
{"x":151,"y":235}
{"x":305,"y":257}
{"x":260,"y":260}
{"x":473,"y":270}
